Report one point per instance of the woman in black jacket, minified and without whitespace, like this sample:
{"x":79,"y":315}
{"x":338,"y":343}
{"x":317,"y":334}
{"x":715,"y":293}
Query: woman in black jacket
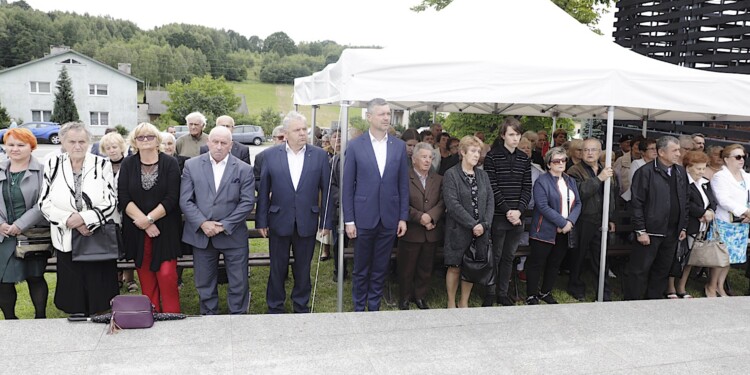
{"x":701,"y":206}
{"x":469,"y":204}
{"x":148,"y":194}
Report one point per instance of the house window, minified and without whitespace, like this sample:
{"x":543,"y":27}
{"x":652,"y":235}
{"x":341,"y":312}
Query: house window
{"x":41,"y":115}
{"x":70,"y":61}
{"x":99,"y":118}
{"x":39,"y":87}
{"x":98,"y":89}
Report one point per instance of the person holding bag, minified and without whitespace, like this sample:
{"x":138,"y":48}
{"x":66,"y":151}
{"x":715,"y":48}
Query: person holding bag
{"x":78,"y":195}
{"x":556,"y":208}
{"x":20,"y":181}
{"x":732,"y":189}
{"x":701,"y":207}
{"x":149,"y":194}
{"x":469,"y":204}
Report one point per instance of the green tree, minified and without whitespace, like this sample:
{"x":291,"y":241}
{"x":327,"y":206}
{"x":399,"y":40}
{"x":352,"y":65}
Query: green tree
{"x":210,"y":96}
{"x":587,"y":12}
{"x":280,"y":43}
{"x":419,"y":119}
{"x":65,"y":104}
{"x":4,"y":118}
{"x":268,"y":119}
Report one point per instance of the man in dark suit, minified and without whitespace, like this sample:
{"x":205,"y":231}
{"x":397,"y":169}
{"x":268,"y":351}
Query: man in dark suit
{"x":278,"y":138}
{"x":375,"y":203}
{"x":216,"y":195}
{"x":294,"y":178}
{"x":239,"y":150}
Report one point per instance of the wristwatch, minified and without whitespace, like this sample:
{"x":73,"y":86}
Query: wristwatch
{"x":150,"y":219}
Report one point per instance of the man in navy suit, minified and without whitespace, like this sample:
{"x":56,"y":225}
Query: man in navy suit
{"x":239,"y":150}
{"x":375,"y":203}
{"x":216,"y":195}
{"x":293,"y":203}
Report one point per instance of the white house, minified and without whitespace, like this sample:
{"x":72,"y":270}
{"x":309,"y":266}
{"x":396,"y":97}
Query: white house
{"x":104,"y":96}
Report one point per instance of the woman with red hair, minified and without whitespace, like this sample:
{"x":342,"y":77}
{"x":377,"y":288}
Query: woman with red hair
{"x":20,"y":182}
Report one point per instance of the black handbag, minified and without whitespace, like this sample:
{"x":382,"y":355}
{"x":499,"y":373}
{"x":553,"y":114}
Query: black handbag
{"x":105,"y":243}
{"x":477,"y":265}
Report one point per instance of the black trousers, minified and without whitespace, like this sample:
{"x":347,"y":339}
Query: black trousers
{"x":545,"y":259}
{"x":589,"y":243}
{"x":648,"y":268}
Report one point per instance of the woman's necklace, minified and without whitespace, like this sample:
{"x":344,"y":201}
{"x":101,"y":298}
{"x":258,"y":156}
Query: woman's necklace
{"x":15,"y":176}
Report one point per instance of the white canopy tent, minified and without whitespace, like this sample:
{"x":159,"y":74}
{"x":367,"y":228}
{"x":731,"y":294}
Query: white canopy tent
{"x":524,"y":57}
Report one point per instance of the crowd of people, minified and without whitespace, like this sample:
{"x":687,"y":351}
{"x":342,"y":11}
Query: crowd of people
{"x":418,"y":192}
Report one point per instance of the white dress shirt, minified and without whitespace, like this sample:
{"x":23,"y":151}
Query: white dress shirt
{"x":296,"y":162}
{"x":381,"y":151}
{"x":218,"y":168}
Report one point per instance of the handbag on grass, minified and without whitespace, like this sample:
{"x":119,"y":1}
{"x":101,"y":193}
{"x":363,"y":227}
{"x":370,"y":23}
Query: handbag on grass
{"x":103,"y":244}
{"x":131,"y":312}
{"x":477,"y":265}
{"x":34,"y":242}
{"x":709,"y":253}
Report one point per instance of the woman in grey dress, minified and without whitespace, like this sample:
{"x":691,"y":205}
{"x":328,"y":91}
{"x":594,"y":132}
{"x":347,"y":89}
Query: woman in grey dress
{"x":469,"y":207}
{"x":20,"y":182}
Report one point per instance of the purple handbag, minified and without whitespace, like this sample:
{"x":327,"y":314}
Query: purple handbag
{"x":130,"y":312}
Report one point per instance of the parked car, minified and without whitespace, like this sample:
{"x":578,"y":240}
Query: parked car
{"x":43,"y":131}
{"x":180,"y":130}
{"x":249,"y":134}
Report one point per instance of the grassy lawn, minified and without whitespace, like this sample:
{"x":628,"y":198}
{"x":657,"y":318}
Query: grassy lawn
{"x":280,"y":97}
{"x":325,"y":298}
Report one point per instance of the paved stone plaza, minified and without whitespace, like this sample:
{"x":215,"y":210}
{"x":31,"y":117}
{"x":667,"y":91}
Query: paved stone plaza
{"x":703,"y":336}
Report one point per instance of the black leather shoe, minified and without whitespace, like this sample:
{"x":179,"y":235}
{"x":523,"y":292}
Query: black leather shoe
{"x":422,"y":304}
{"x":505,"y":301}
{"x":488,"y":301}
{"x":403,"y":305}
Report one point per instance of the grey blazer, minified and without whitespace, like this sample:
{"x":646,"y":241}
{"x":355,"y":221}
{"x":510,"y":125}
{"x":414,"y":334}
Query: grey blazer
{"x":31,"y":184}
{"x":460,"y":214}
{"x":200,"y":201}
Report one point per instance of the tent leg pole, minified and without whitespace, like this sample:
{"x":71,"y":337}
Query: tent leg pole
{"x":314,"y":124}
{"x":606,"y":204}
{"x":554,"y":126}
{"x":645,"y":125}
{"x":344,"y":139}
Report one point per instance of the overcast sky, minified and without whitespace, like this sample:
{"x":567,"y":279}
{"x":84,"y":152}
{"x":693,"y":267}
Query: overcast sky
{"x":347,"y":22}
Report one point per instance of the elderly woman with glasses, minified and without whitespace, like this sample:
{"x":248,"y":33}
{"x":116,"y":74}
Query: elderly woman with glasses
{"x":732,"y":189}
{"x":149,"y":191}
{"x":557,"y":206}
{"x":78,"y":194}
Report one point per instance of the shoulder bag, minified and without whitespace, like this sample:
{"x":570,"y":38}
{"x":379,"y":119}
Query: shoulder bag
{"x":104,"y":243}
{"x":131,"y":312}
{"x":709,"y":253}
{"x":34,"y":242}
{"x":477,"y":265}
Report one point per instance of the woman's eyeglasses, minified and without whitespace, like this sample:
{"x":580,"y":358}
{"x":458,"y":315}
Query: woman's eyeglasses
{"x":739,"y":157}
{"x":145,"y":137}
{"x":558,"y":161}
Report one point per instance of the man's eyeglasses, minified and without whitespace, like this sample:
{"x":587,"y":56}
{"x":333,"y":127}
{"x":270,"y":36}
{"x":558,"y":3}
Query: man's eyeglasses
{"x":590,"y":150}
{"x":194,"y":124}
{"x":558,"y":161}
{"x":145,"y":137}
{"x":279,"y":137}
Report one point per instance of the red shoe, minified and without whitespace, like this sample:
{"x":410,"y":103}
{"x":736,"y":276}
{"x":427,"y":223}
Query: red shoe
{"x":522,"y":276}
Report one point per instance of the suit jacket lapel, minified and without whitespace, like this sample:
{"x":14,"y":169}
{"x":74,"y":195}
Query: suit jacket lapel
{"x":284,"y":162}
{"x":371,"y":151}
{"x":208,"y":172}
{"x":416,"y":181}
{"x":305,"y":167}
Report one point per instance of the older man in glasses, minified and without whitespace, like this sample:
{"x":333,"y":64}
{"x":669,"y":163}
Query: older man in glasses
{"x":189,"y":145}
{"x":590,"y":176}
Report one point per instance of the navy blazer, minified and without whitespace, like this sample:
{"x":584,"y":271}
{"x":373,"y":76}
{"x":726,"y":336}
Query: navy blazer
{"x":239,"y":151}
{"x":548,"y":205}
{"x":230,"y":206}
{"x":369,"y":198}
{"x":280,"y":206}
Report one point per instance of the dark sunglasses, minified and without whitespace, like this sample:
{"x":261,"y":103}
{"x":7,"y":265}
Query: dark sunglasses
{"x":145,"y":137}
{"x":739,"y":157}
{"x":558,"y":161}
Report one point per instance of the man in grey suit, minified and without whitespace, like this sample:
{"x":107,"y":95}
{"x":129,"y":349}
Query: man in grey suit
{"x":239,"y":150}
{"x":216,"y":195}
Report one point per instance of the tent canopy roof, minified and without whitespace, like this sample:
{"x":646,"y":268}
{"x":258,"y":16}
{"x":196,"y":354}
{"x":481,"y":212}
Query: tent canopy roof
{"x":523,"y":57}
